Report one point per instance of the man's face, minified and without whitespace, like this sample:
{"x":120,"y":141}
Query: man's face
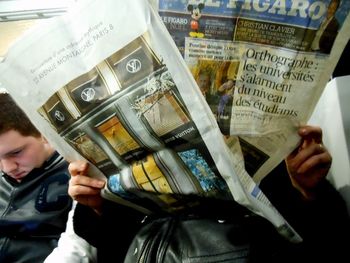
{"x":203,"y":82}
{"x":21,"y":154}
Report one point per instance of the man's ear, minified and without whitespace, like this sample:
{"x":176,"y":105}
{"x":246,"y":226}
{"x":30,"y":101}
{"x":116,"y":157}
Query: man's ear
{"x":44,"y":139}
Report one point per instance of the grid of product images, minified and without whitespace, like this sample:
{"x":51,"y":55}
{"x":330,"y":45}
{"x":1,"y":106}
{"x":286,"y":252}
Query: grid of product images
{"x":127,"y":117}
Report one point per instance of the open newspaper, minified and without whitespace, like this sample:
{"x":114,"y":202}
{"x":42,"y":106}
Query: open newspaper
{"x":106,"y":82}
{"x":261,"y":65}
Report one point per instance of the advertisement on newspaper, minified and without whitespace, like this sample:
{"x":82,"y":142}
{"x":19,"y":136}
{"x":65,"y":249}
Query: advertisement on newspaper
{"x":261,"y":65}
{"x":123,"y":98}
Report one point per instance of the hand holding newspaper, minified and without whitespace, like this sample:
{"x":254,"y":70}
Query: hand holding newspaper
{"x":110,"y":86}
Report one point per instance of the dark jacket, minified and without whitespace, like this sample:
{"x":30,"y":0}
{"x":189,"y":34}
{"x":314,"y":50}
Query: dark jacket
{"x":34,"y":212}
{"x":329,"y":35}
{"x":244,"y":237}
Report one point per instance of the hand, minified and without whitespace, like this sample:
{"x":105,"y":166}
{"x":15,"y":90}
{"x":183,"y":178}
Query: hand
{"x":84,"y":189}
{"x":227,"y":86}
{"x":309,"y":163}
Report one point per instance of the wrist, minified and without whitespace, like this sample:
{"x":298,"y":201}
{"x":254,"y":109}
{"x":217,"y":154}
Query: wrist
{"x":308,"y":194}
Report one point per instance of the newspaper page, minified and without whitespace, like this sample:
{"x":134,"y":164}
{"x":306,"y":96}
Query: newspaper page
{"x":261,"y":65}
{"x":112,"y":87}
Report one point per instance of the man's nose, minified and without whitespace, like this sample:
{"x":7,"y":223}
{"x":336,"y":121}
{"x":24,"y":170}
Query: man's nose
{"x":8,"y":165}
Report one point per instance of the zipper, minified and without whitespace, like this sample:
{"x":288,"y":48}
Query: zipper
{"x":147,"y":244}
{"x":156,"y":243}
{"x":12,"y":191}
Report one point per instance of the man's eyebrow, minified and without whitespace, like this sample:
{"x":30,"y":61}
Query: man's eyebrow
{"x":13,"y":151}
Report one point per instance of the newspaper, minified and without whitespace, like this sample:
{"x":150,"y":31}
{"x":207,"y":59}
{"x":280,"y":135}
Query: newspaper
{"x":108,"y":84}
{"x":261,"y":65}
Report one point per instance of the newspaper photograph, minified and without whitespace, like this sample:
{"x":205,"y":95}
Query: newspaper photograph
{"x":260,"y":65}
{"x":115,"y":90}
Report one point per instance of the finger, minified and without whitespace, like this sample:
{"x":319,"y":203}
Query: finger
{"x":86,"y":181}
{"x":293,"y":153}
{"x":305,"y":152}
{"x":320,"y":161}
{"x":296,"y":159}
{"x":311,"y":133}
{"x":88,"y":201}
{"x":78,"y":167}
{"x":80,"y":190}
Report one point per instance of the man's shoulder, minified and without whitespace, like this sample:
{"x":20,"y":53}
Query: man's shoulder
{"x":55,"y":161}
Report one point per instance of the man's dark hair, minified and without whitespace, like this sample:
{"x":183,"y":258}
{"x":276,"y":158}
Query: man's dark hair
{"x":12,"y":117}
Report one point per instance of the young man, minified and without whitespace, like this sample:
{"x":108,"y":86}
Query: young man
{"x":297,"y":187}
{"x":34,"y":202}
